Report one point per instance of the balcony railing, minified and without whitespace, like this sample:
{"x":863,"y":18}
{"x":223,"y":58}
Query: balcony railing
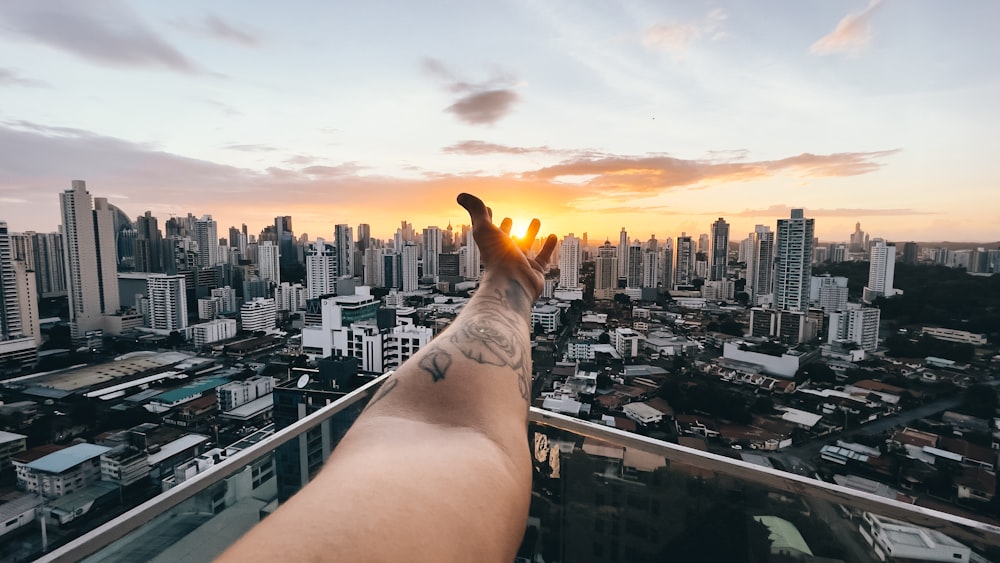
{"x":600,"y":494}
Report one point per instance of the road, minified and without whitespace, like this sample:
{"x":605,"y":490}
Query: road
{"x":846,"y":531}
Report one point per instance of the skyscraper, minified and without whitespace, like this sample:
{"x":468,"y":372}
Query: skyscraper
{"x":148,"y":244}
{"x":167,"y":302}
{"x":321,"y":270}
{"x":206,"y":234}
{"x":432,"y":248}
{"x":269,"y":262}
{"x":19,"y":331}
{"x":569,"y":262}
{"x":364,"y":236}
{"x":881,"y":271}
{"x":684,"y":272}
{"x":622,"y":253}
{"x":343,"y":239}
{"x":633,"y":265}
{"x":703,"y":242}
{"x":605,"y":271}
{"x":471,"y":257}
{"x":91,"y":269}
{"x":910,"y":252}
{"x":50,"y":264}
{"x":719,"y":255}
{"x":408,"y":266}
{"x":760,"y":266}
{"x":650,"y":267}
{"x":667,"y":263}
{"x":793,"y":258}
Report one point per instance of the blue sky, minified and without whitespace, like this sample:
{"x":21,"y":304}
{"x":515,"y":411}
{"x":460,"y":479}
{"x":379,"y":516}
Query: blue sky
{"x":657,"y":116}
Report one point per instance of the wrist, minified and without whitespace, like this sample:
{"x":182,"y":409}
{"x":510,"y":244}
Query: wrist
{"x":518,"y":290}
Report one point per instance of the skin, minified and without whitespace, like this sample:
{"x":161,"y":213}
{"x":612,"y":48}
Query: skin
{"x":437,"y":468}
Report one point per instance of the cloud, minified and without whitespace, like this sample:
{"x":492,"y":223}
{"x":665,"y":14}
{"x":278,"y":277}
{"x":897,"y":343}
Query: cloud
{"x":482,"y":103}
{"x":345,"y":169}
{"x":105,"y":32}
{"x":215,"y":27}
{"x":675,"y":37}
{"x":252,"y":148}
{"x":851,"y":35}
{"x":224,"y":108}
{"x":482,"y":147}
{"x":629,"y":174}
{"x":12,"y":78}
{"x":781,"y":210}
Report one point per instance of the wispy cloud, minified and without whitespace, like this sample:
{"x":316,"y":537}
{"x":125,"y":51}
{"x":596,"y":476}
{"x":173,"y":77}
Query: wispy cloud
{"x":9,"y":77}
{"x":781,"y":210}
{"x":482,"y":147}
{"x":629,"y":174}
{"x":105,"y":32}
{"x":479,"y":103}
{"x":215,"y":27}
{"x":852,"y":34}
{"x":676,"y":37}
{"x":224,"y":108}
{"x":252,"y":148}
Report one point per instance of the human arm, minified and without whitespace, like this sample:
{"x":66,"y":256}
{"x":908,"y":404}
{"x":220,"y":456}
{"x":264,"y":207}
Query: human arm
{"x":437,"y":468}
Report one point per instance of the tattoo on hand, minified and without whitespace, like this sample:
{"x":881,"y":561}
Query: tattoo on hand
{"x":436,"y":363}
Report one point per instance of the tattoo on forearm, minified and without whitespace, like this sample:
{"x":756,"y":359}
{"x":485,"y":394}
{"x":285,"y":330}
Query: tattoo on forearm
{"x":384,"y":390}
{"x":436,"y":362}
{"x":496,"y":334}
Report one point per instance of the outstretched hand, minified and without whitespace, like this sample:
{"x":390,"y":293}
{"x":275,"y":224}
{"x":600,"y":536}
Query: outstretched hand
{"x":504,"y":255}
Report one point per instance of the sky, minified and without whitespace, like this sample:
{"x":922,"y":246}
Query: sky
{"x":657,"y":116}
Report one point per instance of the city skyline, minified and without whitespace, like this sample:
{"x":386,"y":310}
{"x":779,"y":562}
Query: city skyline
{"x":660,"y":118}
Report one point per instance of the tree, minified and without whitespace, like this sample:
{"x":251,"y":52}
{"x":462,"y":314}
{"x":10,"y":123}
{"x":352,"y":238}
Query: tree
{"x":731,"y":328}
{"x":174,"y":339}
{"x":979,"y":401}
{"x":539,"y":329}
{"x":604,"y":338}
{"x":816,"y":372}
{"x":743,"y":298}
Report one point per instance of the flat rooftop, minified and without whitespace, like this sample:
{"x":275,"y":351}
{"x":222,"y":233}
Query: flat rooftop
{"x":67,"y":458}
{"x":89,"y":376}
{"x":191,"y":389}
{"x":176,"y":447}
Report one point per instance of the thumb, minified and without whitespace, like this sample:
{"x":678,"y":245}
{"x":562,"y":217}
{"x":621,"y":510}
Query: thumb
{"x":478,"y":212}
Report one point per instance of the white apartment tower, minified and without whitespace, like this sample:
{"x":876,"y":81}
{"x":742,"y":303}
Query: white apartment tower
{"x":881,"y":271}
{"x":408,"y":267}
{"x":622,"y":253}
{"x":432,"y":248}
{"x":719,"y":253}
{"x":167,"y":302}
{"x":91,"y":262}
{"x":793,"y":262}
{"x":471,"y":257}
{"x":269,"y":262}
{"x":343,"y":240}
{"x":633,"y":265}
{"x":206,"y":234}
{"x":19,"y":330}
{"x":760,"y":266}
{"x":569,"y":262}
{"x":321,"y":269}
{"x":650,"y":267}
{"x":856,"y":324}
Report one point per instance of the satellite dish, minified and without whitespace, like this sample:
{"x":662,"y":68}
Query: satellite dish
{"x":303,"y":381}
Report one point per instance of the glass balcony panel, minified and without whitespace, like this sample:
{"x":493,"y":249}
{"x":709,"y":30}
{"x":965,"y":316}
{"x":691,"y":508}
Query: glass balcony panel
{"x":604,"y":495}
{"x":599,"y":494}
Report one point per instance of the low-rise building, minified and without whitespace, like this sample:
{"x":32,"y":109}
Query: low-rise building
{"x":10,"y":444}
{"x":952,"y":335}
{"x":643,"y":413}
{"x":61,"y":472}
{"x":547,"y":316}
{"x":124,"y":465}
{"x":213,"y":331}
{"x":906,"y":542}
{"x":236,"y":393}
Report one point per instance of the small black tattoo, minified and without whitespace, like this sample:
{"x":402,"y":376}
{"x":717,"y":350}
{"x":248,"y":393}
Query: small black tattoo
{"x":436,"y":363}
{"x":384,"y":390}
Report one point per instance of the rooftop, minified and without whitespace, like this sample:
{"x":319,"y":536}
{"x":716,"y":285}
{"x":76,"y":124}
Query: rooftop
{"x":67,"y":458}
{"x":177,"y":446}
{"x":10,"y":437}
{"x":190,"y":390}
